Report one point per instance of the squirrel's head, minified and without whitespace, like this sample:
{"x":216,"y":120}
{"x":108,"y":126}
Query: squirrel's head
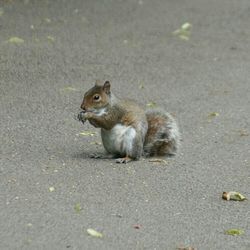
{"x":97,"y":97}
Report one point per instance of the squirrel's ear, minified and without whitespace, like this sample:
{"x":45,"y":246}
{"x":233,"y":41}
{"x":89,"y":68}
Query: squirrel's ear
{"x":106,"y":87}
{"x":97,"y":83}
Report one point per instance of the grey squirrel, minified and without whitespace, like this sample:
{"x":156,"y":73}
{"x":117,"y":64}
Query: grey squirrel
{"x":127,"y":131}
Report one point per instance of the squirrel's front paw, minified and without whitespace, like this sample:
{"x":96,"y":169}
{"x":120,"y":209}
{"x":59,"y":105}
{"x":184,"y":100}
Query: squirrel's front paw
{"x":81,"y":117}
{"x":88,"y":115}
{"x":84,"y":116}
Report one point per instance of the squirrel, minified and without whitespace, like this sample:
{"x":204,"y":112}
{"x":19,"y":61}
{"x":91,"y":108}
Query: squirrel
{"x":127,"y":131}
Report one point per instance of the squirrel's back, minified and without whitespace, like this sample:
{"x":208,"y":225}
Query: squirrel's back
{"x":163,"y":137}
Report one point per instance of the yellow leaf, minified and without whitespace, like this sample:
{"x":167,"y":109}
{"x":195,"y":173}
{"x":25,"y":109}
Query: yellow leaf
{"x":51,"y":38}
{"x":186,"y":26}
{"x":1,"y":11}
{"x":234,"y":232}
{"x":94,"y":233}
{"x":234,"y":196}
{"x":158,"y":161}
{"x":151,"y":104}
{"x":183,"y":32}
{"x":15,"y":40}
{"x":96,"y":143}
{"x":87,"y":133}
{"x":185,"y":248}
{"x":243,"y":133}
{"x":47,"y":20}
{"x":77,"y":207}
{"x":51,"y":189}
{"x":213,"y":114}
{"x":69,"y":89}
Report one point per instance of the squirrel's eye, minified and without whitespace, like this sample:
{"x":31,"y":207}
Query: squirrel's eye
{"x":96,"y":97}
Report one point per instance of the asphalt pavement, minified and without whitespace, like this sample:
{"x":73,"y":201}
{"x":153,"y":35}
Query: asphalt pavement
{"x":190,"y":57}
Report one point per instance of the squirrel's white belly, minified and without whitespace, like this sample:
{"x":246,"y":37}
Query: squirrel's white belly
{"x":118,"y":140}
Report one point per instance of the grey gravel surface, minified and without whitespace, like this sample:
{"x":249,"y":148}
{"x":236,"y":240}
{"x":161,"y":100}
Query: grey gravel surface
{"x":66,"y":46}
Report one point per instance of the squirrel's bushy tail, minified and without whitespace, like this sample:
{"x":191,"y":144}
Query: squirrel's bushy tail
{"x":163,"y":135}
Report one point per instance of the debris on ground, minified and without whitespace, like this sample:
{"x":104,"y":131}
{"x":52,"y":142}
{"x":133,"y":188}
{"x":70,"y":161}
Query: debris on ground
{"x":151,"y":104}
{"x":234,"y":196}
{"x":51,"y":189}
{"x":94,"y":233}
{"x":234,"y":232}
{"x":15,"y":40}
{"x":78,"y":207}
{"x":184,"y":31}
{"x":137,"y":226}
{"x":158,"y":161}
{"x":87,"y":133}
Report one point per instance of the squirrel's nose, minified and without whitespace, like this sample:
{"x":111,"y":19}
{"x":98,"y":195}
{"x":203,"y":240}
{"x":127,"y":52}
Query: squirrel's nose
{"x":83,"y":107}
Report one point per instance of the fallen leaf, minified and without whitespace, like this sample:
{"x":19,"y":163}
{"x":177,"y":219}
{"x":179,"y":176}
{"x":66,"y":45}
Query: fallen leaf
{"x":141,"y":86}
{"x":118,"y":215}
{"x":137,"y":226}
{"x":1,"y":11}
{"x":47,"y":20}
{"x":184,"y":32}
{"x":213,"y":114}
{"x":158,"y":160}
{"x":87,"y":133}
{"x":186,"y":26}
{"x":51,"y":38}
{"x":15,"y":40}
{"x":151,"y":104}
{"x":51,"y":189}
{"x":234,"y":232}
{"x":186,"y":248}
{"x":78,"y":207}
{"x":243,"y":133}
{"x":13,"y":180}
{"x":96,"y":143}
{"x":68,"y":88}
{"x":234,"y":196}
{"x":94,"y":233}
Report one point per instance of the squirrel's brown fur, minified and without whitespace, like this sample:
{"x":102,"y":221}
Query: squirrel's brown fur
{"x":127,"y":130}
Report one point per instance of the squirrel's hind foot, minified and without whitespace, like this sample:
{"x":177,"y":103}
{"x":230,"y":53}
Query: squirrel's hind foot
{"x":123,"y":160}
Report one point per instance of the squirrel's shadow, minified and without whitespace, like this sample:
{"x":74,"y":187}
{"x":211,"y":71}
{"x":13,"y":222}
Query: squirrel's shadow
{"x":80,"y":155}
{"x":87,"y":155}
